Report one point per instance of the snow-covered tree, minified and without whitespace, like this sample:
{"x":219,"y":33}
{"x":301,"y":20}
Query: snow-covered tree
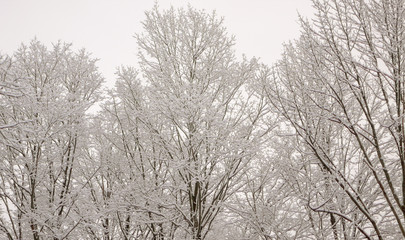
{"x":184,"y":129}
{"x":39,"y":188}
{"x":211,"y":116}
{"x":341,"y":88}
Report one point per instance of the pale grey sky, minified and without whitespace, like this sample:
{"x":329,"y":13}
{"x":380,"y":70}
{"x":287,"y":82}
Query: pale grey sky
{"x":106,"y":27}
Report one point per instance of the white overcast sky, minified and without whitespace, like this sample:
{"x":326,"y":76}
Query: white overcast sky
{"x":106,"y":27}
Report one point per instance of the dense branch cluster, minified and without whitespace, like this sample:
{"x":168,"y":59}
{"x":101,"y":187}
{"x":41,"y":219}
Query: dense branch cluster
{"x":197,"y":144}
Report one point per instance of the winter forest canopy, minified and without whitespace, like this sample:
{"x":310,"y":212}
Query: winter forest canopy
{"x":197,"y":143}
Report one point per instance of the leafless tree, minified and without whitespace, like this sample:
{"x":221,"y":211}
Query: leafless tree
{"x":39,"y":188}
{"x":340,"y":88}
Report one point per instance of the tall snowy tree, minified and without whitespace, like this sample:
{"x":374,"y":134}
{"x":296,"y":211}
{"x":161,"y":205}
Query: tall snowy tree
{"x":341,"y":88}
{"x":39,"y":187}
{"x":187,"y":128}
{"x":211,"y":115}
